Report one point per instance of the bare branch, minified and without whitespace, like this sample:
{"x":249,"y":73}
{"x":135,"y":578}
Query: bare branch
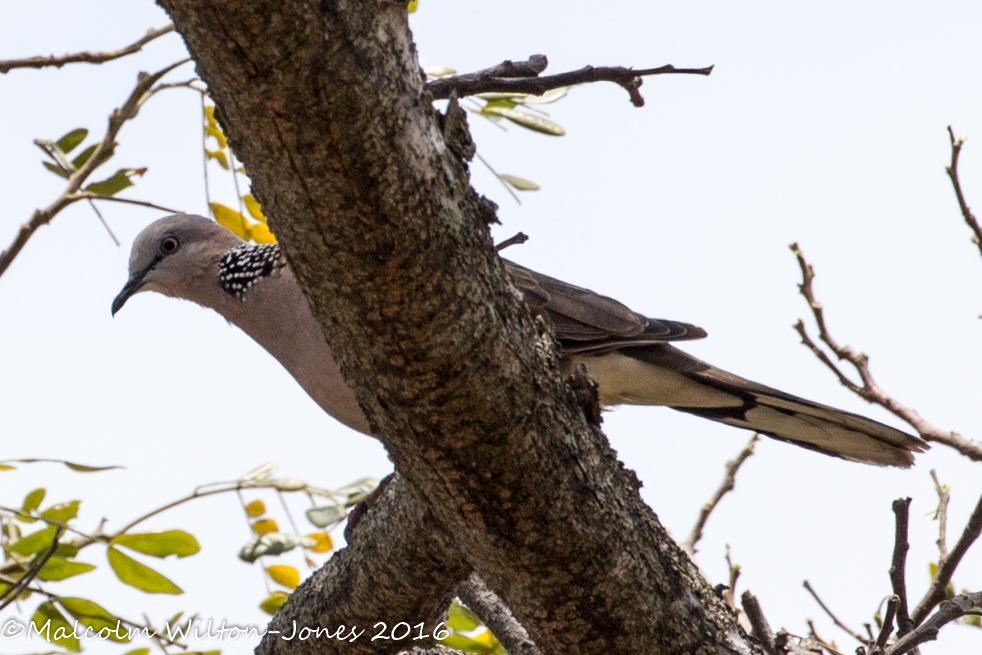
{"x":952,"y":170}
{"x":893,"y":602}
{"x":85,"y":57}
{"x":726,"y":486}
{"x":947,"y":566}
{"x":898,"y":566}
{"x":761,"y":629}
{"x":519,"y":238}
{"x":950,"y":610}
{"x":496,"y":616}
{"x":71,"y":194}
{"x":941,"y":515}
{"x":869,"y":390}
{"x":855,"y":635}
{"x":523,"y":77}
{"x":730,"y":594}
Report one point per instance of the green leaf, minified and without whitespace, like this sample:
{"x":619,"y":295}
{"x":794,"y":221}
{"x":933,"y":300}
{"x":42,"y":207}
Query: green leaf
{"x":57,"y":568}
{"x":138,"y":575}
{"x":53,"y":626}
{"x":68,"y":142}
{"x":82,"y":468}
{"x":231,"y":219}
{"x":210,"y":116}
{"x":273,"y":543}
{"x":520,"y":183}
{"x":7,"y":467}
{"x":325,"y":515}
{"x":499,"y":102}
{"x":61,"y":512}
{"x":94,"y":616}
{"x":160,"y":544}
{"x":138,"y":651}
{"x":412,"y":7}
{"x":75,"y":467}
{"x":33,"y":500}
{"x":79,"y":161}
{"x":461,"y":618}
{"x":552,"y":95}
{"x":36,"y":542}
{"x":56,"y":169}
{"x":66,"y":550}
{"x":274,"y":602}
{"x":466,"y":644}
{"x":526,"y":120}
{"x":120,"y":180}
{"x":502,"y":95}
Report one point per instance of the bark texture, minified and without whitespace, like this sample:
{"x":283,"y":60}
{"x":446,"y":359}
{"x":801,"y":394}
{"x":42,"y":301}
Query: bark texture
{"x":326,"y":105}
{"x":397,"y":567}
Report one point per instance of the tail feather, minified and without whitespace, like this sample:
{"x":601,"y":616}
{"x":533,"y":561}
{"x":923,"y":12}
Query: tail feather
{"x":660,"y":374}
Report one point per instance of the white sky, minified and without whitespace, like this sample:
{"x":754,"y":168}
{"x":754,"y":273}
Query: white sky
{"x":824,"y":122}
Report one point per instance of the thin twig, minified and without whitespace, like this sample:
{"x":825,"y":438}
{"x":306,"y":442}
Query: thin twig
{"x":869,"y":390}
{"x":898,"y":565}
{"x":85,"y":57}
{"x":893,"y":602}
{"x":88,"y":195}
{"x":525,"y":79}
{"x":496,"y":616}
{"x":10,"y":594}
{"x":519,"y":238}
{"x":855,"y":635}
{"x":730,"y":595}
{"x":947,"y":565}
{"x":726,"y":486}
{"x":104,"y":223}
{"x":952,"y":170}
{"x":204,"y":153}
{"x":941,"y":515}
{"x":71,"y":193}
{"x":760,"y":628}
{"x":949,"y":610}
{"x":829,"y":646}
{"x":500,"y":179}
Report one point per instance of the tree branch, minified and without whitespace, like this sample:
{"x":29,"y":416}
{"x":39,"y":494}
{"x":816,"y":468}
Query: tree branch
{"x":496,"y":616}
{"x":85,"y":57}
{"x":462,"y":385}
{"x":523,"y":77}
{"x":898,"y":566}
{"x":11,"y":593}
{"x":397,"y":566}
{"x":948,"y":564}
{"x":952,"y":170}
{"x":950,"y":610}
{"x":726,"y":486}
{"x":869,"y":390}
{"x":761,"y":628}
{"x":117,"y":119}
{"x":842,"y":626}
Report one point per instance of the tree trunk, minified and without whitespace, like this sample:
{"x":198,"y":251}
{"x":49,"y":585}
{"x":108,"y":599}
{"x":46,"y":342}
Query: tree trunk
{"x":326,"y":105}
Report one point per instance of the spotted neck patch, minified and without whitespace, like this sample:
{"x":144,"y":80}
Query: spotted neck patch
{"x":245,"y":265}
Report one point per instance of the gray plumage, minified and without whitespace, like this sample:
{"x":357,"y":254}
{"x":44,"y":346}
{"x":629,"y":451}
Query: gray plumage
{"x":628,"y":354}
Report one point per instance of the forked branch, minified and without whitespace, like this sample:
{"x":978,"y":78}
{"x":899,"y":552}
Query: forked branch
{"x":85,"y":57}
{"x":523,"y":77}
{"x":868,"y":390}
